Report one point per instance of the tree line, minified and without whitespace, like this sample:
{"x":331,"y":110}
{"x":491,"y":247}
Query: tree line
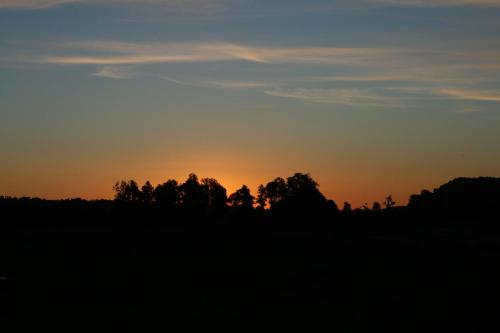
{"x":293,"y":196}
{"x":293,"y":199}
{"x":298,"y":198}
{"x":283,"y":199}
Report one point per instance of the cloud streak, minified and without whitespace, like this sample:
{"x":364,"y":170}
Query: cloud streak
{"x":379,"y":64}
{"x":472,"y":95}
{"x":211,"y":4}
{"x":384,"y":97}
{"x":119,"y":53}
{"x":44,"y":4}
{"x":219,"y":83}
{"x":367,"y":76}
{"x":438,"y":3}
{"x":351,"y":97}
{"x":33,"y":4}
{"x":113,"y":72}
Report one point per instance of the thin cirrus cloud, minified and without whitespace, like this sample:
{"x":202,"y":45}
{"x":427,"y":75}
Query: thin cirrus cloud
{"x":33,"y":4}
{"x":114,"y":72}
{"x":207,"y":4}
{"x":391,"y":77}
{"x":398,"y":83}
{"x":351,"y":97}
{"x":120,"y":53}
{"x":44,"y":4}
{"x":438,"y":3}
{"x":451,"y":92}
{"x":219,"y":83}
{"x":383,"y":97}
{"x":474,"y":95}
{"x":126,"y":53}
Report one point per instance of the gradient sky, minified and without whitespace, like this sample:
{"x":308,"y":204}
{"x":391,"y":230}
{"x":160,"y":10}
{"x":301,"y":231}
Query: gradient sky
{"x":372,"y":97}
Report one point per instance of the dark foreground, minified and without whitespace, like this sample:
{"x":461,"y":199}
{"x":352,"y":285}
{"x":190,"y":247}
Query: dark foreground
{"x":180,"y":255}
{"x":350,"y":277}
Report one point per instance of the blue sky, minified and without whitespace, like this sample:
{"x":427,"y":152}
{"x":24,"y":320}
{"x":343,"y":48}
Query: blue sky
{"x":371,"y":97}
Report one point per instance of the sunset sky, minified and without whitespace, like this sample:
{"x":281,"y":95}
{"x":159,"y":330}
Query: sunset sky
{"x":371,"y":97}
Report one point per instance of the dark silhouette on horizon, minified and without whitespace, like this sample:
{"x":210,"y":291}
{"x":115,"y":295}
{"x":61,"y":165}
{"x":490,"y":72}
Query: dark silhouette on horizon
{"x":296,"y":199}
{"x":189,"y":253}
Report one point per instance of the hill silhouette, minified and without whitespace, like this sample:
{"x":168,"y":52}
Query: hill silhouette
{"x":460,"y":199}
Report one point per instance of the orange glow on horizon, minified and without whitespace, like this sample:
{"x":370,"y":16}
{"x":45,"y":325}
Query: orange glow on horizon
{"x":93,"y":179}
{"x":339,"y":190}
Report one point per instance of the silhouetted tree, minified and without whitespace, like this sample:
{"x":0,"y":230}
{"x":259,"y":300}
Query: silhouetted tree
{"x":147,"y":192}
{"x":194,"y":196}
{"x":261,"y":197}
{"x":242,"y":198}
{"x":296,"y":198}
{"x":388,"y":202}
{"x":127,"y":191}
{"x":301,"y":188}
{"x":376,"y":206}
{"x":347,"y":207}
{"x":167,"y":194}
{"x":275,"y":191}
{"x":216,"y":193}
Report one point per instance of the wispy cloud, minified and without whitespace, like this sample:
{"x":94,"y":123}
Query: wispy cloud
{"x":44,"y":4}
{"x":211,"y":4}
{"x":451,"y":92}
{"x":113,"y":72}
{"x":219,"y":83}
{"x":147,"y":53}
{"x":386,"y":97}
{"x":384,"y":64}
{"x":473,"y":95}
{"x":237,"y":84}
{"x":436,"y":3}
{"x":119,"y":53}
{"x":204,"y":5}
{"x":353,"y":97}
{"x":33,"y":4}
{"x":467,"y":110}
{"x":403,"y":76}
{"x":371,"y":76}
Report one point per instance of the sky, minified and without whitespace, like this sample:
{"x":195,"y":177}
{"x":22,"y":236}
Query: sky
{"x":371,"y":97}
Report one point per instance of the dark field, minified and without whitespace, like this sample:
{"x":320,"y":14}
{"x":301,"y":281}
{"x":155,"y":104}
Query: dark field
{"x":356,"y":277}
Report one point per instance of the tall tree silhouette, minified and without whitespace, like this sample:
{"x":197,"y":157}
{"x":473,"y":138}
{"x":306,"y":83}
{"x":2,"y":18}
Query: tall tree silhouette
{"x":303,"y":191}
{"x":347,"y":207}
{"x":296,"y":198}
{"x":261,"y":197}
{"x":388,"y":202}
{"x":194,"y":196}
{"x":274,"y":192}
{"x":147,"y":192}
{"x":216,"y":197}
{"x":242,"y":198}
{"x":127,"y":191}
{"x":167,"y":194}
